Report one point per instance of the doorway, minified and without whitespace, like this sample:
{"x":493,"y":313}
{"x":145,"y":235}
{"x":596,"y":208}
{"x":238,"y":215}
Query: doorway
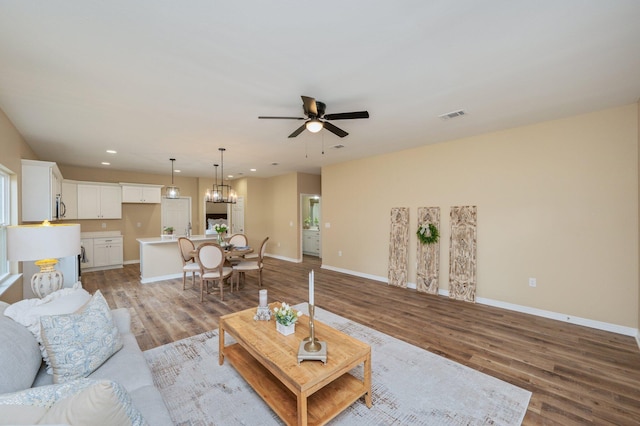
{"x":310,"y":209}
{"x":176,"y":213}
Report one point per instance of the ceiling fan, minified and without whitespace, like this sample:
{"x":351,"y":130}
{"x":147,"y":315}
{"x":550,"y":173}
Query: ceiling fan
{"x":316,"y":119}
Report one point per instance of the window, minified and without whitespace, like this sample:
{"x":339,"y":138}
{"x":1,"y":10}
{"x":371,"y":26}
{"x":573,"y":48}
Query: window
{"x":5,"y":218}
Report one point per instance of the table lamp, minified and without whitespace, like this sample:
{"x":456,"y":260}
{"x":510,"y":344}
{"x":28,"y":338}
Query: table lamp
{"x":44,"y":243}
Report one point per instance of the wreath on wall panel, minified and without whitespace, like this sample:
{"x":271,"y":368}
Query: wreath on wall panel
{"x":428,"y":234}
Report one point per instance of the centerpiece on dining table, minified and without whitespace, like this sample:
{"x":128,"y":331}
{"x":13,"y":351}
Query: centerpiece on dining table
{"x":220,"y":229}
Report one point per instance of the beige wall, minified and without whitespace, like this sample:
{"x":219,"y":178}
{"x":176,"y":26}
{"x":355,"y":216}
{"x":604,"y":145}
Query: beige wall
{"x":557,"y":201}
{"x":13,"y":149}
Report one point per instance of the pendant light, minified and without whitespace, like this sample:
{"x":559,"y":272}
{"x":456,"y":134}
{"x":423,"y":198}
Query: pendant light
{"x":172,"y":191}
{"x":221,"y":193}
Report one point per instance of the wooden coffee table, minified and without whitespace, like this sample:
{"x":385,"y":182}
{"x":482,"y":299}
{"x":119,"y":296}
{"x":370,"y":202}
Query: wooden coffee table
{"x":309,"y":393}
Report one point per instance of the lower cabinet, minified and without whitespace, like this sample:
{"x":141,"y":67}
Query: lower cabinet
{"x":102,"y":253}
{"x":311,"y":242}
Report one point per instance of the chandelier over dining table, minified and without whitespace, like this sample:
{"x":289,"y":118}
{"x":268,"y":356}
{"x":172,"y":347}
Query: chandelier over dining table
{"x":221,"y":193}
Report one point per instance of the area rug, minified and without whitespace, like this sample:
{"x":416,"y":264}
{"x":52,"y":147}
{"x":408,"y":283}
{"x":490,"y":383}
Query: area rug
{"x":410,"y":386}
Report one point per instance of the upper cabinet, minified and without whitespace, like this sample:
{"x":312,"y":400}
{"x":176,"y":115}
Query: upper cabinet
{"x":69,"y":203}
{"x":41,"y":189}
{"x":99,"y":201}
{"x":139,"y":193}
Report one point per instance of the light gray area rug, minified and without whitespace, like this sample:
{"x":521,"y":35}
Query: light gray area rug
{"x":410,"y":386}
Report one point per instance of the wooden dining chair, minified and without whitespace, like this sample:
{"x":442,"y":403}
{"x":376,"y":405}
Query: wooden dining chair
{"x":252,"y":264}
{"x":238,"y":240}
{"x":189,"y":264}
{"x":211,"y":258}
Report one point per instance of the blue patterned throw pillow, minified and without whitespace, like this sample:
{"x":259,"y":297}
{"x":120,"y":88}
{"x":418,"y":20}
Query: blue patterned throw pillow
{"x":81,"y":342}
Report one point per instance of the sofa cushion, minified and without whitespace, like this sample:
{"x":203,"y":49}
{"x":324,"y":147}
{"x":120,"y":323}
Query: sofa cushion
{"x":78,"y":402}
{"x":28,"y":312}
{"x":81,"y":342}
{"x":19,"y":355}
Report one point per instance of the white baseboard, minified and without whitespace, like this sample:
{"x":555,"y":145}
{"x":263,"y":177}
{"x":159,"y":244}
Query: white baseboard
{"x":599,"y":325}
{"x":131,"y":262}
{"x":160,"y":278}
{"x":287,"y":259}
{"x":355,"y":273}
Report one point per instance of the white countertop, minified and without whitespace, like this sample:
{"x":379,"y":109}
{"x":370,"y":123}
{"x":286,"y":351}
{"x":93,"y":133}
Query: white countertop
{"x":174,"y":238}
{"x":100,"y":234}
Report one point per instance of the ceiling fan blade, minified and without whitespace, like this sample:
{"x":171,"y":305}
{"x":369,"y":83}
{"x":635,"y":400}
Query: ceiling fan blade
{"x":335,"y":130}
{"x":347,"y":115}
{"x":298,"y":131}
{"x":309,"y":105}
{"x":283,"y":118}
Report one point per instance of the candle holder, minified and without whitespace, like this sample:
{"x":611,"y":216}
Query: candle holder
{"x":263,"y":313}
{"x":311,"y":348}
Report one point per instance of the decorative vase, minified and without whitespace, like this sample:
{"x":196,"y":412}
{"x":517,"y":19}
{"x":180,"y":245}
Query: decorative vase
{"x":286,"y":329}
{"x":220,"y":239}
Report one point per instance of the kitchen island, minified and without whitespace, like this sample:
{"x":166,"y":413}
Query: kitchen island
{"x":160,"y":257}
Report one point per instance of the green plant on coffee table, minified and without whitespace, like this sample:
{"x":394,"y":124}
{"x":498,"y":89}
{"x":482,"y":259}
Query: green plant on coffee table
{"x":285,"y":314}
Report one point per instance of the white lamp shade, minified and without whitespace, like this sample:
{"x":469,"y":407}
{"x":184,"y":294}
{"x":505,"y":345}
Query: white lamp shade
{"x":36,"y":242}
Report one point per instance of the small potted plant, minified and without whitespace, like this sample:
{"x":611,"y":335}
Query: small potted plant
{"x":307,"y":223}
{"x":168,"y":230}
{"x":286,"y":319}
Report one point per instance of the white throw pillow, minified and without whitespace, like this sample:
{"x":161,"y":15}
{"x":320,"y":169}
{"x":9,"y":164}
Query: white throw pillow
{"x":28,"y":312}
{"x":79,"y":402}
{"x":79,"y":343}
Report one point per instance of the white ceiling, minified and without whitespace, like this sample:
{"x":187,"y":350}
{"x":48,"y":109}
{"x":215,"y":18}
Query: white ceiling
{"x":155,"y":79}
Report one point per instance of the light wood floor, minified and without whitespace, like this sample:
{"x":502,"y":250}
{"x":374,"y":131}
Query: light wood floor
{"x":577,"y":375}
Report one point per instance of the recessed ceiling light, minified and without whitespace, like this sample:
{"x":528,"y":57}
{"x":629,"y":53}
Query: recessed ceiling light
{"x":105,"y":163}
{"x":111,"y":151}
{"x":229,"y":176}
{"x":177,"y":171}
{"x":253,"y":170}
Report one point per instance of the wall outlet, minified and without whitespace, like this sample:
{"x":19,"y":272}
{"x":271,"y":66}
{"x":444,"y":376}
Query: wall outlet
{"x":278,"y":244}
{"x":104,"y":225}
{"x":339,"y":252}
{"x":533,"y":282}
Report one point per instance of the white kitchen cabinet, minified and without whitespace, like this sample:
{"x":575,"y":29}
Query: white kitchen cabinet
{"x":139,"y":193}
{"x":107,"y":251}
{"x":99,"y":201}
{"x":311,"y":242}
{"x":41,"y":182}
{"x":69,"y":201}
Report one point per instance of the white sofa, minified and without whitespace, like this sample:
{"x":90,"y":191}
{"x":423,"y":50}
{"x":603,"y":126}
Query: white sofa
{"x":19,"y":354}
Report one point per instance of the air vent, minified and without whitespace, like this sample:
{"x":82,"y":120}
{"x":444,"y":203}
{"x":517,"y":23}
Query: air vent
{"x":338,"y":146}
{"x":452,"y":114}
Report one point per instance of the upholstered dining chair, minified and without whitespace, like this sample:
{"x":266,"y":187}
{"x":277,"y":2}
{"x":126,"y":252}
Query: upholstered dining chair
{"x":251,"y":264}
{"x":238,"y":240}
{"x":189,"y":264}
{"x":211,"y":257}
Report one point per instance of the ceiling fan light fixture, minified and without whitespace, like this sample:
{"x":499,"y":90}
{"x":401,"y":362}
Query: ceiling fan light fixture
{"x":314,"y":125}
